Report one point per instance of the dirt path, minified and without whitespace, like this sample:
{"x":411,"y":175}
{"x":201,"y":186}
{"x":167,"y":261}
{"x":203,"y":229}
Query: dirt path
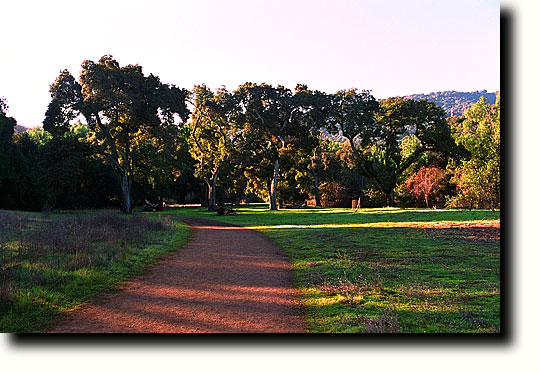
{"x":226,"y":279}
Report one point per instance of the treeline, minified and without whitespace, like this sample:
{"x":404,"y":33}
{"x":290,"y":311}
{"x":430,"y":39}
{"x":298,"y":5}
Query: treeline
{"x":146,"y":140}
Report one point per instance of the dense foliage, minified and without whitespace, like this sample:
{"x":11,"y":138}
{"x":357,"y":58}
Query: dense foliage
{"x":478,"y":178}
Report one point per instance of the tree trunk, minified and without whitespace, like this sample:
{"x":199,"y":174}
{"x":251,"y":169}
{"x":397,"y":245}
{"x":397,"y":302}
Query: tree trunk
{"x":390,"y":198}
{"x":316,"y":186}
{"x":125,"y":186}
{"x":212,"y":191}
{"x":273,"y":186}
{"x":203,"y":194}
{"x":211,"y":195}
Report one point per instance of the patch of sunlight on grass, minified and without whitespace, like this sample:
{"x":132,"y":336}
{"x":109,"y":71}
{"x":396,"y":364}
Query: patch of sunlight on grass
{"x":425,"y":306}
{"x":324,"y":301}
{"x":416,"y":224}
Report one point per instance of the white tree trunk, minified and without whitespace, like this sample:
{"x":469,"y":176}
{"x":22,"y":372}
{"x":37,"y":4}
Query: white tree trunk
{"x":273,"y":186}
{"x":212,"y":191}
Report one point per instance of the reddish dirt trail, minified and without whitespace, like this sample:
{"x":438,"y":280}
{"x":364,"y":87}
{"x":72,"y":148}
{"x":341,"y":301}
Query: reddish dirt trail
{"x":226,"y":279}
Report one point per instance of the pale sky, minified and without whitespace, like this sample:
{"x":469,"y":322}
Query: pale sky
{"x":392,"y":47}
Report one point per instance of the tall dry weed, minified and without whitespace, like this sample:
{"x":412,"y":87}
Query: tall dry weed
{"x":385,"y":323}
{"x":83,"y":240}
{"x":5,"y":278}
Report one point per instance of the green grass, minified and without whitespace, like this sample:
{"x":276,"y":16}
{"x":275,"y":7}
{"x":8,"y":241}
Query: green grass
{"x":52,"y":263}
{"x":378,"y":270}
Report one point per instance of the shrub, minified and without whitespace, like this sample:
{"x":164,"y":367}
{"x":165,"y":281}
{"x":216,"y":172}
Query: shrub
{"x":427,"y":185}
{"x":375,"y":198}
{"x":334,"y":194}
{"x":404,"y":197}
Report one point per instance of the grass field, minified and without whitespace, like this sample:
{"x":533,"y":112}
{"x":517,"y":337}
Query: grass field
{"x":51,"y":263}
{"x":387,"y":270}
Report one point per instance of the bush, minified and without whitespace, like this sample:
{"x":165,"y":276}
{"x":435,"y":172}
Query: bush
{"x":375,"y":198}
{"x":404,"y":197}
{"x":427,"y":185}
{"x":335,"y":194}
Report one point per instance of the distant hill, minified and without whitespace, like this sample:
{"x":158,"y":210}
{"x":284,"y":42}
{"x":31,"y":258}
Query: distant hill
{"x":455,"y":103}
{"x":21,"y":128}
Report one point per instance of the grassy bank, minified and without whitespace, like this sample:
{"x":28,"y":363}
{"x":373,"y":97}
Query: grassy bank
{"x":51,"y":263}
{"x":387,"y":270}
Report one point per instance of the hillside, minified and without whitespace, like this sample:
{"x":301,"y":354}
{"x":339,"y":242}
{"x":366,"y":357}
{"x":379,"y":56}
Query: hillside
{"x":455,"y":103}
{"x":20,"y":128}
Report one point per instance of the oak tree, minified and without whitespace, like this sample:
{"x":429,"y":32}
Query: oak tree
{"x":218,"y":137}
{"x":281,"y":121}
{"x":121,"y":106}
